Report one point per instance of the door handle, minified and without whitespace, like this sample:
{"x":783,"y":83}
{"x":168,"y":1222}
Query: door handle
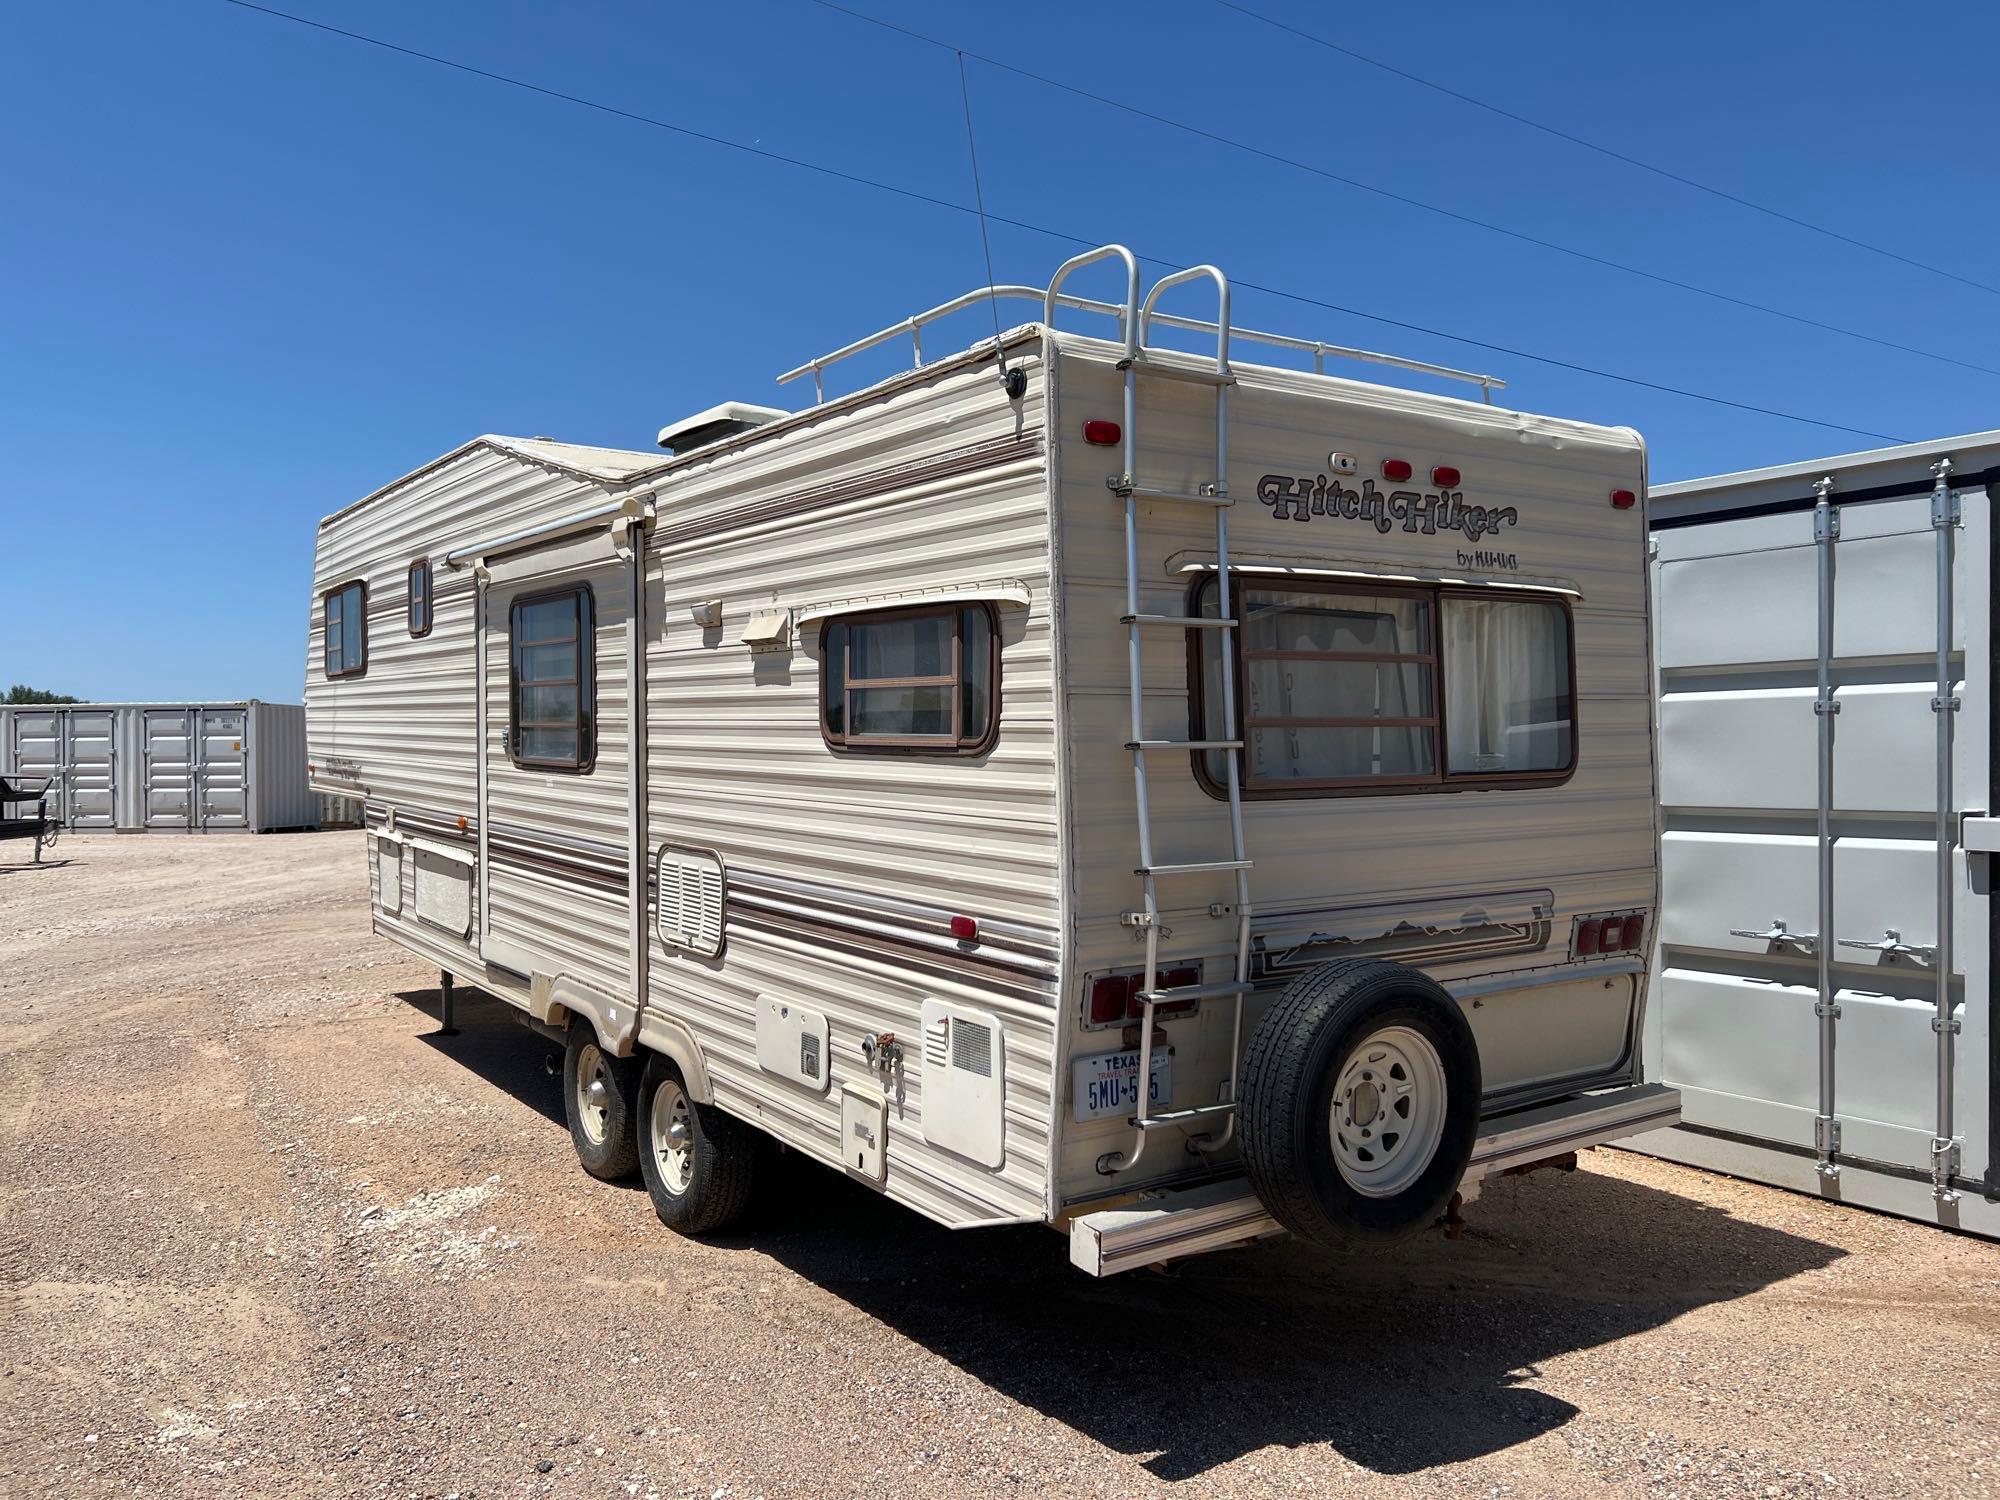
{"x":1892,"y":947}
{"x":1777,"y":936}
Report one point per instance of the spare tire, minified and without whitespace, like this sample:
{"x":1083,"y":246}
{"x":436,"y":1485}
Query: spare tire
{"x":1360,"y":1103}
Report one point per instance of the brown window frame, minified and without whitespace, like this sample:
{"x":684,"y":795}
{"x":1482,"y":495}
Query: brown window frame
{"x":585,"y":682}
{"x":958,"y":742}
{"x":326,"y":628}
{"x":1442,"y":779}
{"x":420,"y":568}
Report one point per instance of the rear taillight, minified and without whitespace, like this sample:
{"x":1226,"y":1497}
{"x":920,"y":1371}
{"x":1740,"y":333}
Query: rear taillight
{"x":1171,"y":979}
{"x":1114,"y":998}
{"x":1617,"y":932}
{"x":1111,"y":996}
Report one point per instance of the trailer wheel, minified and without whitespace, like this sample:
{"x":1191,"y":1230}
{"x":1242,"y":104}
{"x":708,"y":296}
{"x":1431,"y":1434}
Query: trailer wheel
{"x":601,"y":1102}
{"x":699,"y":1163}
{"x":1360,"y":1103}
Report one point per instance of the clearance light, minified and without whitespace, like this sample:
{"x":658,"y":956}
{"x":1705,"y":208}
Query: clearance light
{"x":1623,"y":499}
{"x":1444,"y":476}
{"x":1395,"y":468}
{"x":965,"y":929}
{"x":1102,"y":434}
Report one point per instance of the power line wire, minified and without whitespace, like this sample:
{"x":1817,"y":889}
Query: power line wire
{"x":1589,"y":145}
{"x":945,"y":203}
{"x":1405,"y":199}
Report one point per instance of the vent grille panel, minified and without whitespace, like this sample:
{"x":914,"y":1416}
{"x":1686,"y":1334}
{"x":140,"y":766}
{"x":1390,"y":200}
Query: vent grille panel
{"x":691,"y":892}
{"x":971,"y":1048}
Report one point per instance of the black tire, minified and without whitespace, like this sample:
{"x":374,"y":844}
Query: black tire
{"x":708,"y":1181}
{"x":604,"y":1127}
{"x":1301,"y":1051}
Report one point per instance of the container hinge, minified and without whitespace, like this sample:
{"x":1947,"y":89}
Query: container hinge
{"x":1824,"y":1009}
{"x":1892,"y":947}
{"x":1945,"y":705}
{"x":1777,"y":936}
{"x":1940,"y":1025}
{"x":1826,"y":705}
{"x":1826,"y":1141}
{"x":1944,"y":507}
{"x":1826,"y":528}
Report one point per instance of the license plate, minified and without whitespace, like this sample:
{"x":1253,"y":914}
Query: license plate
{"x":1108,"y":1084}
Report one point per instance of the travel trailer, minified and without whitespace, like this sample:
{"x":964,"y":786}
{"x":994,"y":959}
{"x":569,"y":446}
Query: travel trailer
{"x":1825,"y":970}
{"x":165,"y":767}
{"x":1073,"y":781}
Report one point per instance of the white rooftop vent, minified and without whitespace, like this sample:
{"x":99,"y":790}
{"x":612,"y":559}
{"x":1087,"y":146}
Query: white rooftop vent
{"x":715,"y":424}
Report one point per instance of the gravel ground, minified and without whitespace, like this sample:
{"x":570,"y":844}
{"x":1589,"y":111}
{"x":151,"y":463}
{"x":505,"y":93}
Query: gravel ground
{"x":264,"y":1233}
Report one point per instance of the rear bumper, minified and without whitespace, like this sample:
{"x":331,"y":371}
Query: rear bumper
{"x":1170,"y":1224}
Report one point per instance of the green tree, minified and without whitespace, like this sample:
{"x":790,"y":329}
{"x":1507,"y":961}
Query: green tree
{"x":20,"y":692}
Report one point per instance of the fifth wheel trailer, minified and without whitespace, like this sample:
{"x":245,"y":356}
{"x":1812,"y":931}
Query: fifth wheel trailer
{"x":1071,"y":781}
{"x":165,"y":767}
{"x":1824,"y":634}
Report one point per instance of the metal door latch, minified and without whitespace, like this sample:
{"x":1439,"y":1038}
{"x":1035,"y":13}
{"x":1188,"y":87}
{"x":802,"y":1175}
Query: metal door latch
{"x":1806,"y":942}
{"x":1892,"y":947}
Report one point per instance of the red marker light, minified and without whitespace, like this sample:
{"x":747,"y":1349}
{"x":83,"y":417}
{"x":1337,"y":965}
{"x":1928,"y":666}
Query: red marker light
{"x":1623,"y":499}
{"x":964,"y":929}
{"x":1444,"y":476}
{"x":1395,"y":468}
{"x":1101,"y":434}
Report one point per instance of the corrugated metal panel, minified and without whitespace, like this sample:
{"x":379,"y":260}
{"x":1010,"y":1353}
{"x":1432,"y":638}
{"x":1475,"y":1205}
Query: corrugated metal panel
{"x":281,"y":794}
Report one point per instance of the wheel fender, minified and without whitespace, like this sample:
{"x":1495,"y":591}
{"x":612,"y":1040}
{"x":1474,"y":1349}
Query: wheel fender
{"x":553,"y":998}
{"x":673,"y":1041}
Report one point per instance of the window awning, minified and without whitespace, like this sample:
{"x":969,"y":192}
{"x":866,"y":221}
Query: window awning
{"x":1281,"y":566}
{"x":1008,"y":591}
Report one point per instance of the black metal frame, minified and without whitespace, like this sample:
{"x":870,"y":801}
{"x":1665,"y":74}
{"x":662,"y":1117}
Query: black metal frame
{"x":41,"y":827}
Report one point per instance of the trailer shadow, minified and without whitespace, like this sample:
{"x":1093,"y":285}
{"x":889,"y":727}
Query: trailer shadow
{"x":491,"y":1042}
{"x":1421,"y":1355}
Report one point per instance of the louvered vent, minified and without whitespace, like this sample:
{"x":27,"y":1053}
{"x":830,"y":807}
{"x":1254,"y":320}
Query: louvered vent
{"x":971,"y":1047}
{"x":937,"y":1040}
{"x":690,"y":900}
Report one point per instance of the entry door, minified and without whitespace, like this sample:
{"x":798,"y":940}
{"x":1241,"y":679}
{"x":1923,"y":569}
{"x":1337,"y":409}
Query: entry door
{"x":39,"y":751}
{"x":221,"y":768}
{"x":1737,"y":651}
{"x":170,"y":767}
{"x":93,"y":768}
{"x":556,"y":813}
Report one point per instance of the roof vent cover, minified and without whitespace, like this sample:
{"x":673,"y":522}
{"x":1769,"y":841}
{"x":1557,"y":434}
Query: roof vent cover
{"x":715,"y":424}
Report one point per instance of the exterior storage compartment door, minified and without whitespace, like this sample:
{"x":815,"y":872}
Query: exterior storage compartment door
{"x":222,"y":768}
{"x":169,"y":768}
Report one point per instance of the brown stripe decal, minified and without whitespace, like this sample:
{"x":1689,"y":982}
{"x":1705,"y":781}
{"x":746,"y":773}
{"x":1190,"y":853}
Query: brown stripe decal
{"x":992,"y":453}
{"x":905,"y":956}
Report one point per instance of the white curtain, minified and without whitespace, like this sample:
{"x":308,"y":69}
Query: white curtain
{"x":1507,"y":689}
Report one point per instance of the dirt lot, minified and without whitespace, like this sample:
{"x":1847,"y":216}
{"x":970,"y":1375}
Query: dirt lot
{"x":265,"y":1233}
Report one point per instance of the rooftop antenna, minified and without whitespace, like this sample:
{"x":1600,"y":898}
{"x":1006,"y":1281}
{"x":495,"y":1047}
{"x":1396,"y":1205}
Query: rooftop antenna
{"x":1014,"y":382}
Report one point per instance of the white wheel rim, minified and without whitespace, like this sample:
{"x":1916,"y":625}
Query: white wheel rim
{"x":593,"y":1093}
{"x":673,"y":1137}
{"x":1388,"y":1111}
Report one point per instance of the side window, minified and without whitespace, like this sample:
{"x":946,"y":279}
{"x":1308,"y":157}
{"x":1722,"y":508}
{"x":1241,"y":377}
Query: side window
{"x":916,"y":680}
{"x":345,"y":616}
{"x":552,"y":694}
{"x":1344,"y":689}
{"x":420,"y":596}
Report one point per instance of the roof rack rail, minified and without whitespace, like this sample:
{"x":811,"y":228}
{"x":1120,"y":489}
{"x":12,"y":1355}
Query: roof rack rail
{"x":913,"y":327}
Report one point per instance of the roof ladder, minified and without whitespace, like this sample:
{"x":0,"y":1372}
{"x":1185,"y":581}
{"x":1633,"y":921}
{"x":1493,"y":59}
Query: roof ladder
{"x":1135,"y":320}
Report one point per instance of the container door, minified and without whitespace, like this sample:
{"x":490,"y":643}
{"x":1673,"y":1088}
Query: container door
{"x":93,"y":762}
{"x":555,"y":807}
{"x":39,"y":751}
{"x":169,"y":768}
{"x":222,"y":765}
{"x":1737,"y":1025}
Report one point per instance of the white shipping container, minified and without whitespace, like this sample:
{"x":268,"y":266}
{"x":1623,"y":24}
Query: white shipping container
{"x":173,"y":767}
{"x":1824,"y":644}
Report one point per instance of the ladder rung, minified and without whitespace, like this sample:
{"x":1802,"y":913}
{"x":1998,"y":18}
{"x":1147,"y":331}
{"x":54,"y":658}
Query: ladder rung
{"x":1184,"y":744}
{"x":1168,"y":497}
{"x":1207,"y":868}
{"x":1180,"y":1116}
{"x":1187,"y":622}
{"x":1197,"y":992}
{"x":1179,"y":372}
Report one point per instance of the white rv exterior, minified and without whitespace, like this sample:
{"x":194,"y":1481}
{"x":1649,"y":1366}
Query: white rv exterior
{"x":165,"y":767}
{"x":886,"y":955}
{"x":1825,"y":973}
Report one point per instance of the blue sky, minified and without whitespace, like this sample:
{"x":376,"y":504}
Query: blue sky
{"x":254,"y":271}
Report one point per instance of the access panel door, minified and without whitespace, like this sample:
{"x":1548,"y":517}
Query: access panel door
{"x":169,"y":788}
{"x":221,"y":768}
{"x":93,"y":768}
